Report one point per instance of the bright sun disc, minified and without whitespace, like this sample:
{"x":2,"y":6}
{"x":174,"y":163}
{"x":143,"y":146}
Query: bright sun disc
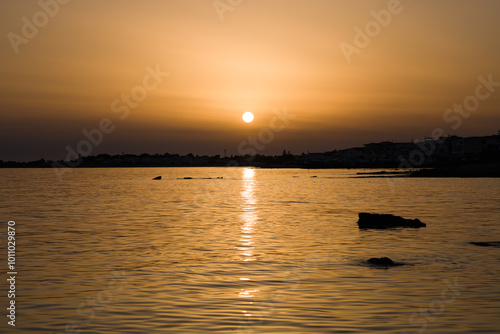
{"x":248,"y":117}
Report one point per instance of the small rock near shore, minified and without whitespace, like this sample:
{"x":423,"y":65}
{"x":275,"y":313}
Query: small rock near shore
{"x":486,"y":244}
{"x":383,"y":262}
{"x":382,"y":221}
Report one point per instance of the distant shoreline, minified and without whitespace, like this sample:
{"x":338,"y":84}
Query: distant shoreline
{"x":450,"y":156}
{"x":477,"y":170}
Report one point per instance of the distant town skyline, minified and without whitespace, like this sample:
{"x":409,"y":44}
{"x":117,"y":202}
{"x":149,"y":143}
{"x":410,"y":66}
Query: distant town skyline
{"x":177,"y":76}
{"x":406,"y":154}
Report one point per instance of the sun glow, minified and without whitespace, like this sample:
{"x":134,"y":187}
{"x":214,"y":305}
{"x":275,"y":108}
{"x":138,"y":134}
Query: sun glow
{"x":248,"y":117}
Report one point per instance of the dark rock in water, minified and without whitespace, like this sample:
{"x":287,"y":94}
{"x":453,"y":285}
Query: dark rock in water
{"x":188,"y":178}
{"x":372,"y":173}
{"x":383,"y":262}
{"x":374,"y":220}
{"x":157,"y":178}
{"x":486,"y":244}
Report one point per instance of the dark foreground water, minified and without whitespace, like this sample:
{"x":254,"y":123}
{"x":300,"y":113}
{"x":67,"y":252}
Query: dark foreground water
{"x":259,"y":251}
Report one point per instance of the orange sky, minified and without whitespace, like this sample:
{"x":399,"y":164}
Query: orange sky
{"x":264,"y":55}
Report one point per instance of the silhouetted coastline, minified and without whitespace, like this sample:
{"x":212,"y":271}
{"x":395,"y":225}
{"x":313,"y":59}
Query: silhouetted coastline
{"x":450,"y":156}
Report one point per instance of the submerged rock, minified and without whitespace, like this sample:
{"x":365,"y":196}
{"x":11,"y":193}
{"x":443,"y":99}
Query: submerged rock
{"x":486,"y":244}
{"x":383,"y":262}
{"x":381,"y":221}
{"x":201,"y":178}
{"x":157,"y":178}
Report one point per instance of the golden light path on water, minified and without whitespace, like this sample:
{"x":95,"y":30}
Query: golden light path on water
{"x":249,"y":218}
{"x":249,"y":215}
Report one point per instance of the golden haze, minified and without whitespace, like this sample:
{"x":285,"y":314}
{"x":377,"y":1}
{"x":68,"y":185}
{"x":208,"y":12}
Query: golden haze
{"x":266,"y":54}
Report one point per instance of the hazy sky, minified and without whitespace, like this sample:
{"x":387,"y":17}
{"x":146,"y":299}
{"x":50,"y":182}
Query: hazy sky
{"x":350,"y":72}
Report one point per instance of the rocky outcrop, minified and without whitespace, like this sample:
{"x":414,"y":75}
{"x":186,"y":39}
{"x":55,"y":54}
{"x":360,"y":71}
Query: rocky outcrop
{"x":201,"y":178}
{"x":383,"y":262}
{"x":382,"y":221}
{"x":486,"y":244}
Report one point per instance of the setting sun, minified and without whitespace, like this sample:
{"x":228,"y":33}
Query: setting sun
{"x":248,"y":117}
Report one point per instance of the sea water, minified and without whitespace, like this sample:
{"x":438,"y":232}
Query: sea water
{"x":244,"y":250}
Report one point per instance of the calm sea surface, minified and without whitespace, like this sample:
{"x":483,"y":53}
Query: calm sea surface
{"x":259,"y":251}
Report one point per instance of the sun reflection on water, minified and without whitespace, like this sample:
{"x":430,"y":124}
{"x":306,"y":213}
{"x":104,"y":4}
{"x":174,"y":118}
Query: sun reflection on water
{"x":247,"y":248}
{"x":249,"y":215}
